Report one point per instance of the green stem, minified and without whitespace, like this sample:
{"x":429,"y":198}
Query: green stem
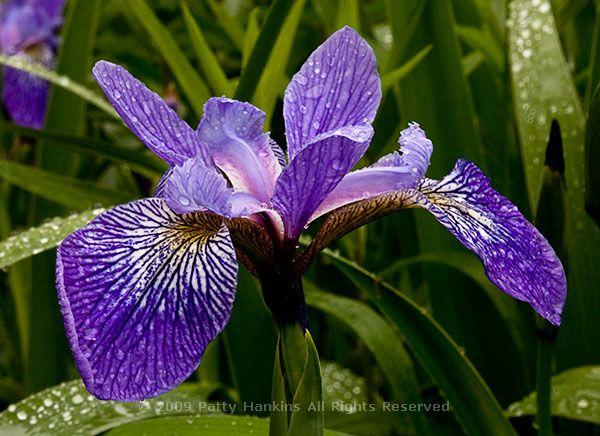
{"x":546,"y":341}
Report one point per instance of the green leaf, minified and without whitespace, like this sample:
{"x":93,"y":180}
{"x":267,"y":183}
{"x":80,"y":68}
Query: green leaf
{"x":344,"y":394}
{"x":37,"y":239}
{"x":59,"y":80}
{"x":68,"y":408}
{"x":575,"y":395}
{"x":543,"y":91}
{"x":205,"y":425}
{"x":594,"y":67}
{"x":348,"y":14}
{"x":138,"y":161}
{"x":215,"y":76}
{"x":471,"y":62}
{"x":472,"y":401}
{"x":399,"y":73}
{"x":252,"y":31}
{"x":265,"y":41}
{"x":381,"y":339}
{"x":66,"y":114}
{"x":592,"y":158}
{"x":72,"y":193}
{"x":192,"y":85}
{"x":274,"y":80}
{"x":471,"y":267}
{"x":278,"y":423}
{"x":228,"y":23}
{"x":307,"y":417}
{"x":250,"y":344}
{"x":404,"y":17}
{"x":484,"y":42}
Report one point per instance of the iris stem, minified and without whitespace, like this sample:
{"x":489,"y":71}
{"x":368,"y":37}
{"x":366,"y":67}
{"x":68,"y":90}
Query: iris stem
{"x":545,"y":351}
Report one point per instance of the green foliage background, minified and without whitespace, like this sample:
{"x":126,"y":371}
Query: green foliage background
{"x":398,"y":308}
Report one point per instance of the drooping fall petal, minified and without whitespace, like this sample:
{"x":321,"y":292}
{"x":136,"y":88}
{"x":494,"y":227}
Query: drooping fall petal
{"x":142,"y":292}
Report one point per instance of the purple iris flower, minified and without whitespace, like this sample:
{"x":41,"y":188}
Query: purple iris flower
{"x":28,"y":30}
{"x":145,"y":286}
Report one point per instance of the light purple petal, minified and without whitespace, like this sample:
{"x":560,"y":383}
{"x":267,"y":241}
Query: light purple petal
{"x":25,"y":97}
{"x":315,"y":172}
{"x":147,"y":115}
{"x":337,"y":86}
{"x":27,"y":23}
{"x":193,"y":186}
{"x":142,"y":292}
{"x":415,"y":152}
{"x":516,"y":257}
{"x":399,"y":170}
{"x":233,"y":132}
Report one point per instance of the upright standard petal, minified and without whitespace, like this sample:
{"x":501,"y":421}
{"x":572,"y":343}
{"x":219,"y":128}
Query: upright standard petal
{"x":516,"y":257}
{"x":315,"y":172}
{"x":233,"y":133}
{"x":25,"y":95}
{"x":337,"y":86}
{"x":195,"y":187}
{"x":142,"y":292}
{"x":402,"y":169}
{"x":147,"y":115}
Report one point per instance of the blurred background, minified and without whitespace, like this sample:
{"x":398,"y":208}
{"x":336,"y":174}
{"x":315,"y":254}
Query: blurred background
{"x":484,"y":78}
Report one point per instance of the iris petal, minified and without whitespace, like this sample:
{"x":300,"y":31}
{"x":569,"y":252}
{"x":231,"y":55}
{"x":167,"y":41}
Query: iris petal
{"x":315,"y":172}
{"x":337,"y":86}
{"x":25,"y":97}
{"x":516,"y":257}
{"x":399,"y":170}
{"x":193,"y":186}
{"x":142,"y":292}
{"x":232,"y":131}
{"x":147,"y":115}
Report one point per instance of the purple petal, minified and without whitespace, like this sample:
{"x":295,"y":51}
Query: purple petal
{"x":25,"y":97}
{"x":337,"y":86}
{"x":159,"y":191}
{"x":52,"y":8}
{"x":516,"y":257}
{"x":232,"y":130}
{"x":142,"y":292}
{"x":147,"y":115}
{"x":315,"y":172}
{"x":399,"y":170}
{"x":26,"y":23}
{"x":278,"y":152}
{"x":195,"y":187}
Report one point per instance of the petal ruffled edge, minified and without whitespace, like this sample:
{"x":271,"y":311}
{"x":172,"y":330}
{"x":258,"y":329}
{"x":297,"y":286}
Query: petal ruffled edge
{"x":142,"y":292}
{"x":515,"y":255}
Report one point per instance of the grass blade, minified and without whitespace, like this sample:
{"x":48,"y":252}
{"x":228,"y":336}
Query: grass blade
{"x":66,"y":114}
{"x":136,"y":160}
{"x":265,"y":41}
{"x":574,"y":396}
{"x":215,"y":76}
{"x":384,"y":342}
{"x":61,"y":81}
{"x":472,"y":401}
{"x":399,"y":73}
{"x":72,"y":193}
{"x":191,"y":84}
{"x":273,"y":80}
{"x":37,"y":239}
{"x":543,"y":91}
